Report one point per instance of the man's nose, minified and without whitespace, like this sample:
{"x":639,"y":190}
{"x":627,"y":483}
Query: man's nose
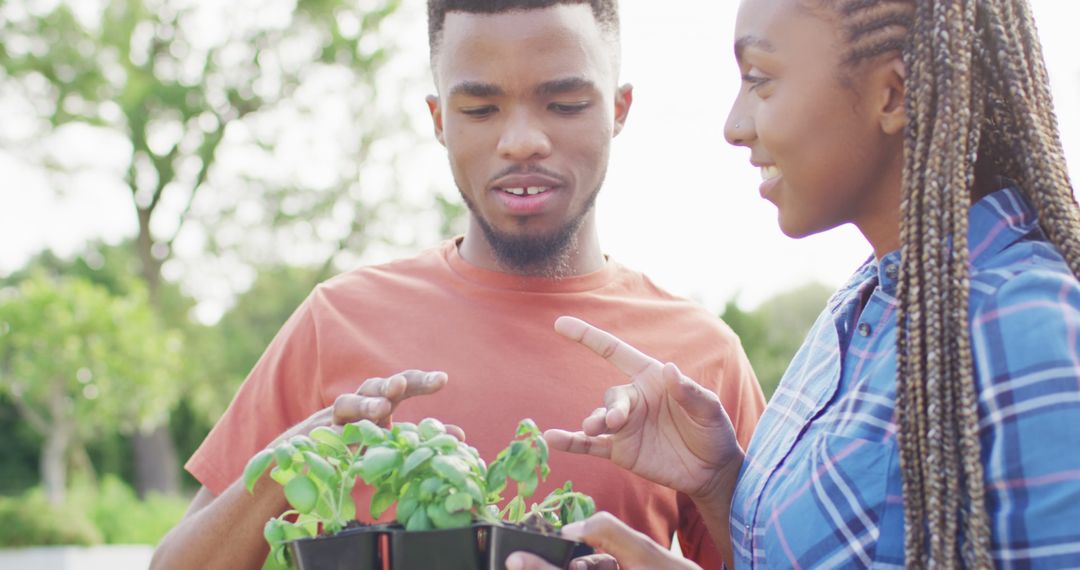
{"x":524,"y":138}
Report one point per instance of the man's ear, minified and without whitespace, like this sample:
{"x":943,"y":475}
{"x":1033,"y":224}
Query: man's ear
{"x":892,"y":89}
{"x":435,"y":108}
{"x":624,"y":97}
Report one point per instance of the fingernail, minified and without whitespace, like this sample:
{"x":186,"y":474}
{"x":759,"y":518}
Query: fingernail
{"x":514,"y":562}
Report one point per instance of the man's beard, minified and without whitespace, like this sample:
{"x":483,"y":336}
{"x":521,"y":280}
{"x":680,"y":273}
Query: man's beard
{"x":545,"y":255}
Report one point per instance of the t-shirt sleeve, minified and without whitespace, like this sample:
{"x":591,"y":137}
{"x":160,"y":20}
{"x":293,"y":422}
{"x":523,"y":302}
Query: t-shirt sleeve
{"x":740,"y":392}
{"x":1026,"y":346}
{"x":281,"y":390}
{"x":694,"y":538}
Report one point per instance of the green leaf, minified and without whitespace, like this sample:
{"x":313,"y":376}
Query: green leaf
{"x":381,"y":501}
{"x":351,"y":434}
{"x":273,"y":533}
{"x":323,"y":434}
{"x":406,"y":507}
{"x":371,"y":433}
{"x":527,"y":427}
{"x":452,"y":469}
{"x":302,"y":443}
{"x":444,"y":442}
{"x":378,"y":461}
{"x":415,"y":459}
{"x":319,"y":467}
{"x":302,"y":494}
{"x":410,"y":439}
{"x":282,"y":476}
{"x":443,"y":519}
{"x":523,"y":468}
{"x":431,"y":427}
{"x":528,"y":486}
{"x":255,"y":468}
{"x":430,"y":487}
{"x":458,"y":502}
{"x":418,"y":521}
{"x":283,"y":455}
{"x":496,"y":477}
{"x":516,"y":510}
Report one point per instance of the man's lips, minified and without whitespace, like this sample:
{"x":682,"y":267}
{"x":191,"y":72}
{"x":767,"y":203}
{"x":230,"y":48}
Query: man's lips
{"x":526,"y":194}
{"x":525,"y":184}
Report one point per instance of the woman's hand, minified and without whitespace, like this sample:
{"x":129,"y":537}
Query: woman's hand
{"x":631,"y":549}
{"x":662,"y":426}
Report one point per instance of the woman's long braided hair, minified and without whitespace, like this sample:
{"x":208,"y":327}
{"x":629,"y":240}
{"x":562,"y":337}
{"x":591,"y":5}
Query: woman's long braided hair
{"x":978,"y":100}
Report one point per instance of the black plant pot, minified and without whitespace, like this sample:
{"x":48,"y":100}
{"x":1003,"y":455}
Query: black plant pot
{"x":503,"y":540}
{"x":450,"y":549}
{"x":355,"y":548}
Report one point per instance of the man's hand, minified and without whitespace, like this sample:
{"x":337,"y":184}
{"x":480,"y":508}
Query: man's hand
{"x":630,"y":549}
{"x":662,"y":426}
{"x":375,"y":401}
{"x":377,"y":398}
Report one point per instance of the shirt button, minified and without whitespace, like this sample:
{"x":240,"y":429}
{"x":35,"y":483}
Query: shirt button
{"x":864,"y":329}
{"x":892,"y":270}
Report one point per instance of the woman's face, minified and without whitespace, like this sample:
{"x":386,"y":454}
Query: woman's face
{"x":817,"y":127}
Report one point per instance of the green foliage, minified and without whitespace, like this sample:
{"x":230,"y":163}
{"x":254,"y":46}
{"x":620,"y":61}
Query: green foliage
{"x":106,"y":513}
{"x":435,"y":480}
{"x":31,"y":520}
{"x":106,"y":358}
{"x":115,"y":510}
{"x":772,"y":333}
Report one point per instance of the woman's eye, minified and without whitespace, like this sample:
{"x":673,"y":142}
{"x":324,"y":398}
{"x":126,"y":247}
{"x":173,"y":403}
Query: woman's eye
{"x":568,"y":108}
{"x":754,"y":81}
{"x":479,"y":112}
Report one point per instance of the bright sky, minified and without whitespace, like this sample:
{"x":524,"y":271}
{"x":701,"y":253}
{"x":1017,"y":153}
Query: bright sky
{"x":679,"y":203}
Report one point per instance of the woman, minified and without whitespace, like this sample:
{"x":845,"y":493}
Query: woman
{"x":930,"y":418}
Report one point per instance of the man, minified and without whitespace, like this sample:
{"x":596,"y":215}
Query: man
{"x":527,"y":105}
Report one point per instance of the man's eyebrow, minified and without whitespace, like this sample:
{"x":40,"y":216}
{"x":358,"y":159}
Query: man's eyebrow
{"x":476,"y":89}
{"x":745,"y":42}
{"x":565,"y":85}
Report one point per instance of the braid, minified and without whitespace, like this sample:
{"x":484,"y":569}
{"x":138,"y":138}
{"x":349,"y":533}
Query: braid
{"x":978,"y":100}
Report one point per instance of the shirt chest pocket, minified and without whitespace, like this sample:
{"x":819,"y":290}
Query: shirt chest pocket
{"x":838,"y":507}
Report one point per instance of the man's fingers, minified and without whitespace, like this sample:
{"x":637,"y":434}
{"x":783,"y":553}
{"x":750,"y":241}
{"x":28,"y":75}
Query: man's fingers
{"x":526,"y":561}
{"x":578,"y":442}
{"x":623,"y":356}
{"x":619,"y":400}
{"x":701,"y":404}
{"x":631,"y":548}
{"x":350,"y":408}
{"x":455,"y":431}
{"x":595,"y":424}
{"x":594,"y":562}
{"x":404,"y":385}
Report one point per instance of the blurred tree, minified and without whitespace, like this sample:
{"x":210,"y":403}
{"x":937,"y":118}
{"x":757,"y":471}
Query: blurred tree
{"x":773,"y":332}
{"x":181,"y":83}
{"x":78,"y":362}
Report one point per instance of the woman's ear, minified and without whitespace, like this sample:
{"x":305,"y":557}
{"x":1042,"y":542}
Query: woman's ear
{"x":892,"y":90}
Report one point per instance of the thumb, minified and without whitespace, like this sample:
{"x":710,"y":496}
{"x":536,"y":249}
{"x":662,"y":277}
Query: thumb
{"x":629,"y":547}
{"x":701,"y":404}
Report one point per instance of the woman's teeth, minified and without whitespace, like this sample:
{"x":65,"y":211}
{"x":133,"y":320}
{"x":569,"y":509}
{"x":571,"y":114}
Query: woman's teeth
{"x":531,"y":190}
{"x":769,"y":172}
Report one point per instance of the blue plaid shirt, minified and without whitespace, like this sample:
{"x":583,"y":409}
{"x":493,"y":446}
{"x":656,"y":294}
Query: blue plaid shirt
{"x":821,"y":484}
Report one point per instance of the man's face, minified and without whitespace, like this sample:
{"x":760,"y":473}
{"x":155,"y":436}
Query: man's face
{"x":527,"y":109}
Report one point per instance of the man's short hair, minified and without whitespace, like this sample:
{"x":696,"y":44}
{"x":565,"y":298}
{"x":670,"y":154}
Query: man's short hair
{"x":605,"y":11}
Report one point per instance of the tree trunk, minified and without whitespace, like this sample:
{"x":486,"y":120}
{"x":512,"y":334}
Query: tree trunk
{"x":157,"y":467}
{"x":53,"y":468}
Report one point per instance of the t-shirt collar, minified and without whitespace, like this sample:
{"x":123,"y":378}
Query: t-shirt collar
{"x":511,"y":282}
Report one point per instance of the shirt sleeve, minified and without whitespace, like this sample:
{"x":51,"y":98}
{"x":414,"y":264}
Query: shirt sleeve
{"x":1026,"y":342}
{"x":281,"y":390}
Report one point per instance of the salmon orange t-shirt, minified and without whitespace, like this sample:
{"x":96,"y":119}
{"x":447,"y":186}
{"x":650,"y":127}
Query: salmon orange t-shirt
{"x":493,"y":334}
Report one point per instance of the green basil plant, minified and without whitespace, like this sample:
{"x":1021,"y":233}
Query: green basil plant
{"x":437,"y":481}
